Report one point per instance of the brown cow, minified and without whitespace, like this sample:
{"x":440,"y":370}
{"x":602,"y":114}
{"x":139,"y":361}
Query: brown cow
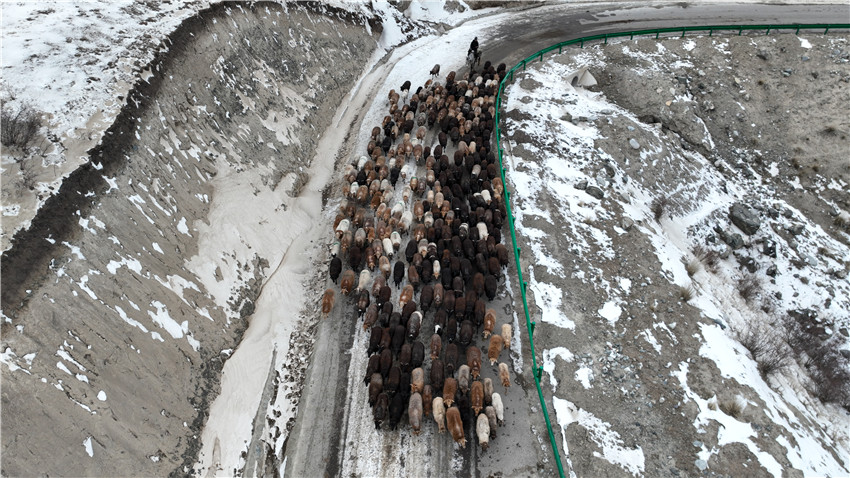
{"x":473,"y":359}
{"x":488,"y":391}
{"x":451,"y":359}
{"x":373,"y":366}
{"x":504,"y":375}
{"x":455,"y":426}
{"x":371,"y":316}
{"x":506,"y":334}
{"x":427,"y":399}
{"x":414,"y":412}
{"x":363,"y":302}
{"x":476,"y":396}
{"x":449,"y":391}
{"x":417,"y":380}
{"x":386,"y":362}
{"x":346,"y":284}
{"x":437,"y":374}
{"x":438,"y":291}
{"x":405,"y":356}
{"x":381,"y":410}
{"x":489,"y":322}
{"x":376,"y":386}
{"x":405,"y":296}
{"x":491,"y":419}
{"x":439,"y":413}
{"x":436,"y":346}
{"x":327,"y":302}
{"x":497,"y":344}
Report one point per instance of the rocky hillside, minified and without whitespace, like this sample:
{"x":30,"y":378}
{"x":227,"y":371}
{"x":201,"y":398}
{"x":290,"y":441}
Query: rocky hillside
{"x":135,"y":280}
{"x":687,"y":252}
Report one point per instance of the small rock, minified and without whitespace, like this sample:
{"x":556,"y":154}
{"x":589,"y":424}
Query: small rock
{"x":748,"y":263}
{"x":796,"y":229}
{"x":735,"y":241}
{"x":595,"y":192}
{"x":698,"y":444}
{"x":582,"y":185}
{"x":634,"y":144}
{"x":811,"y":261}
{"x":845,"y":353}
{"x":786,"y":213}
{"x":771,"y":271}
{"x":627,"y":223}
{"x":763,"y":55}
{"x":769,"y":248}
{"x":602,"y":180}
{"x":745,"y":218}
{"x":701,"y":465}
{"x":804,"y":58}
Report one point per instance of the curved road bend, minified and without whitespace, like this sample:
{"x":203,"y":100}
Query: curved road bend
{"x":317,"y":443}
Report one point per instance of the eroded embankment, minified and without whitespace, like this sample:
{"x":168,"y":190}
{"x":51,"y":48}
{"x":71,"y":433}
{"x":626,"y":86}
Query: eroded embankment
{"x":127,"y":292}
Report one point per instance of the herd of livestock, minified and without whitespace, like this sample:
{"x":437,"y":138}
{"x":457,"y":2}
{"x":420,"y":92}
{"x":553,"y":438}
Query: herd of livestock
{"x":419,"y":246}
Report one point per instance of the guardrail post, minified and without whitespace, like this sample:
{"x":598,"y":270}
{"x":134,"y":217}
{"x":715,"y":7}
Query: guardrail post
{"x":768,"y":31}
{"x":582,"y":42}
{"x":740,"y":31}
{"x":560,"y":49}
{"x":827,"y":29}
{"x":533,"y":325}
{"x":541,"y":57}
{"x":539,"y":373}
{"x":606,"y":38}
{"x":656,"y":34}
{"x":683,"y":33}
{"x":710,"y":32}
{"x":798,"y":31}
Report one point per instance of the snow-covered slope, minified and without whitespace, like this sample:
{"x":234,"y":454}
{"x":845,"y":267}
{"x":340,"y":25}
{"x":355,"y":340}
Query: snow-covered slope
{"x":643,"y":319}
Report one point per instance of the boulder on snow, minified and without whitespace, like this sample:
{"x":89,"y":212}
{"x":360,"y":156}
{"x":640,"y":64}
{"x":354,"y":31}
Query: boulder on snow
{"x":595,"y":192}
{"x":745,"y":218}
{"x":735,"y":241}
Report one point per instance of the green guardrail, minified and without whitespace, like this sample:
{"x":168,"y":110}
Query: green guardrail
{"x":538,"y":56}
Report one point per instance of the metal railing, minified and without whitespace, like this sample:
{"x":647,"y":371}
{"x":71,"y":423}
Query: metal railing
{"x":537,"y":371}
